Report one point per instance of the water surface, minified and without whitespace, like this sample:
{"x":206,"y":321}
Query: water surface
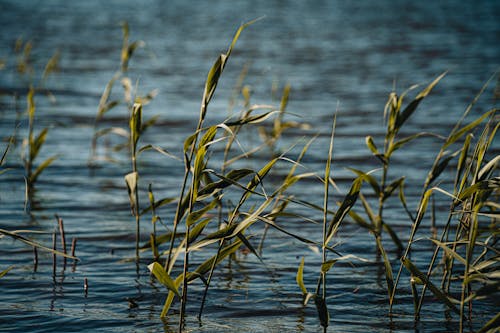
{"x":337,"y":55}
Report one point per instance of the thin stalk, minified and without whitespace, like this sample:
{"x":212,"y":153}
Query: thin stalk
{"x":136,"y":195}
{"x":210,"y":87}
{"x":203,"y":110}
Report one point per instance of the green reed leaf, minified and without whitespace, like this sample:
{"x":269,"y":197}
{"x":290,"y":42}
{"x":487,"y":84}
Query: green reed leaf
{"x":170,"y":297}
{"x":369,"y":211}
{"x":249,"y":246}
{"x":435,"y":290}
{"x":400,"y":143}
{"x":162,"y":276}
{"x":462,"y":160}
{"x":212,"y":80}
{"x":410,"y":109}
{"x":327,"y":265}
{"x":5,"y":271}
{"x":188,"y":143}
{"x":158,"y":149}
{"x":439,"y":168}
{"x":31,"y":104}
{"x":492,"y":325}
{"x":231,"y":178}
{"x":52,"y":65}
{"x":251,"y":119}
{"x":388,"y":269}
{"x":257,"y":179}
{"x":482,"y":186}
{"x":421,"y":211}
{"x":402,"y":199}
{"x":216,"y":71}
{"x":360,"y":221}
{"x":208,"y":136}
{"x":30,"y":242}
{"x":373,"y":148}
{"x":104,"y":105}
{"x":392,"y":187}
{"x":196,"y":231}
{"x":41,"y":167}
{"x":193,"y":217}
{"x":273,"y":224}
{"x":198,"y":168}
{"x":467,"y":128}
{"x":347,"y":203}
{"x":300,"y":277}
{"x":368,"y":178}
{"x":157,"y":204}
{"x":37,"y":143}
{"x":206,"y":265}
{"x":449,"y":251}
{"x":136,"y":123}
{"x":162,"y":239}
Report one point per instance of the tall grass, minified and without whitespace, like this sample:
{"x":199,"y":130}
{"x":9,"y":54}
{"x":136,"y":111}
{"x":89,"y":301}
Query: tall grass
{"x":220,"y":206}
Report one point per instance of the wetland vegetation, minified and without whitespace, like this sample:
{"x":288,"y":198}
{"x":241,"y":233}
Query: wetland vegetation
{"x":239,"y":192}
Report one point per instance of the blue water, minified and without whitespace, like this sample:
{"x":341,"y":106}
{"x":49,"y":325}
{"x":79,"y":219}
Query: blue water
{"x":343,"y":56}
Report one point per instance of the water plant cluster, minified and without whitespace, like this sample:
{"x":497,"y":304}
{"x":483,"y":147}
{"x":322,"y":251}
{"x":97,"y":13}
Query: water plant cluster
{"x":223,"y":206}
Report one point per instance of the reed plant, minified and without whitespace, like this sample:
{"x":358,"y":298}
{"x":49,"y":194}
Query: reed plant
{"x":202,"y":194}
{"x":33,"y":142}
{"x":469,"y":257}
{"x":384,"y":188}
{"x":32,"y":146}
{"x":222,"y":208}
{"x":109,"y":102}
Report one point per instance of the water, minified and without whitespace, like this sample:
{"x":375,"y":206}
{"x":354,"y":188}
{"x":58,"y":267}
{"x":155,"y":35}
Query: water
{"x":335,"y":54}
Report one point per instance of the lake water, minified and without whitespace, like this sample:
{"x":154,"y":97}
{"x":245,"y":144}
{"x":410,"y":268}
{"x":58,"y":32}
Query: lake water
{"x":343,"y":56}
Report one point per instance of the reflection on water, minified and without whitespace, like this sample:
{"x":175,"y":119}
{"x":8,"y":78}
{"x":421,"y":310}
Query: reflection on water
{"x":350,"y":53}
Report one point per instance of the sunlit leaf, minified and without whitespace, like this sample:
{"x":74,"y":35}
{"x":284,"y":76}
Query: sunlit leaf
{"x":5,"y":271}
{"x":41,"y":167}
{"x":408,"y":111}
{"x":347,"y":203}
{"x":162,"y":276}
{"x":300,"y":277}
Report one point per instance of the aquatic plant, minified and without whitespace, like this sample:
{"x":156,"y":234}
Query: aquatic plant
{"x":107,"y":102}
{"x":383,"y":189}
{"x":33,"y":144}
{"x":470,"y":260}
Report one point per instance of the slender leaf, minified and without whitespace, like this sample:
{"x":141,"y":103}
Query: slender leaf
{"x":408,"y":111}
{"x":435,"y":290}
{"x":162,"y":276}
{"x":196,"y":215}
{"x":206,"y":266}
{"x":5,"y":271}
{"x":388,"y":269}
{"x":41,"y":167}
{"x":30,"y":242}
{"x":349,"y":201}
{"x":484,"y":185}
{"x":466,"y":129}
{"x":391,"y":187}
{"x":369,"y":178}
{"x":492,"y":325}
{"x":300,"y":278}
